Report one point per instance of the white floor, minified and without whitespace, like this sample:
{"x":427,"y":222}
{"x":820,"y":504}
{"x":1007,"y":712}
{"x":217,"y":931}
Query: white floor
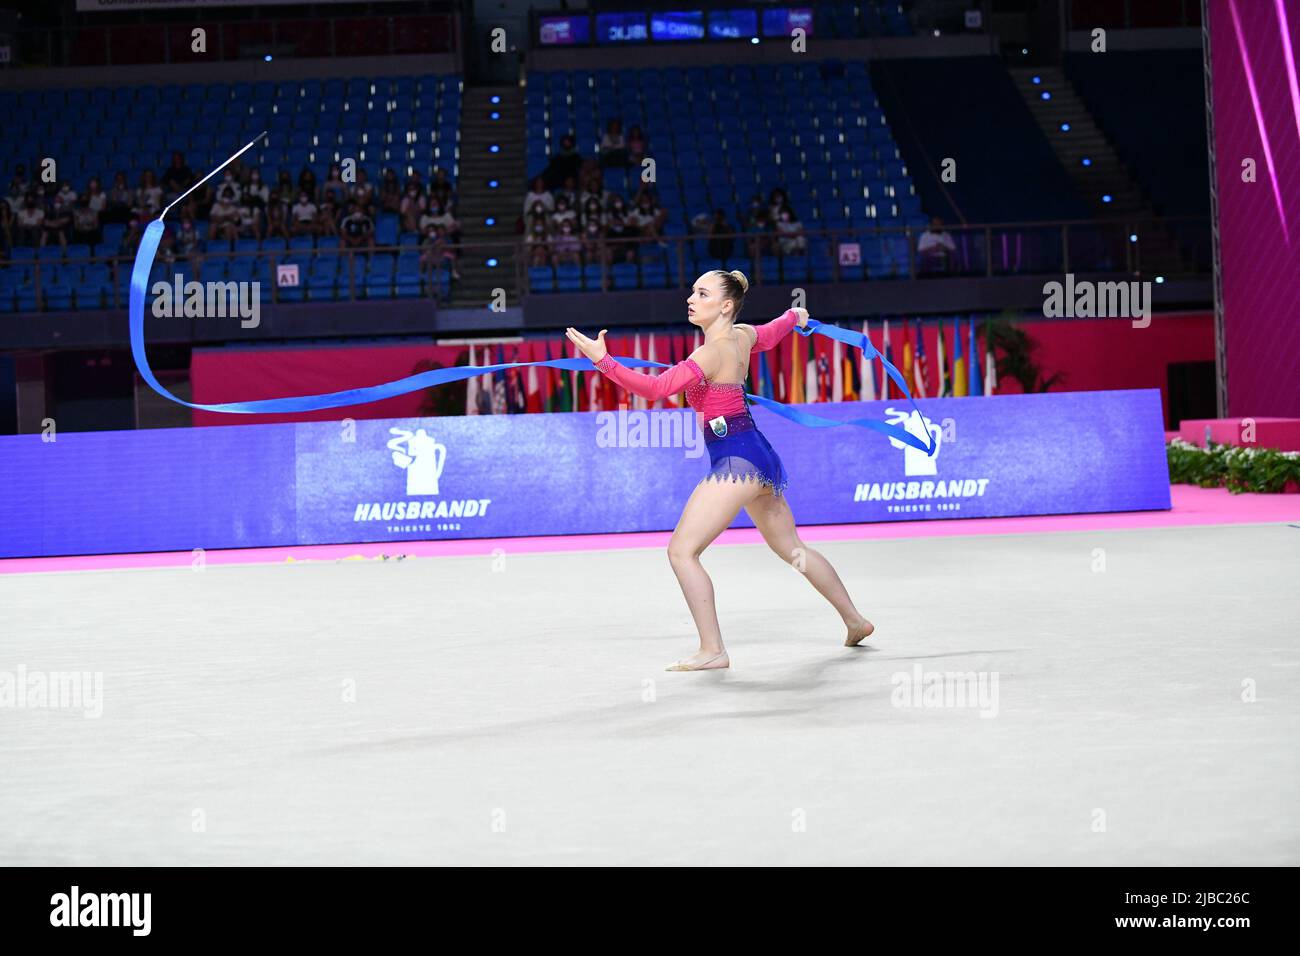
{"x":515,"y":709}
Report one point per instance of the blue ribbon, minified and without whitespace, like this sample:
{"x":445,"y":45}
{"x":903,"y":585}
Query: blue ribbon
{"x":144,"y":259}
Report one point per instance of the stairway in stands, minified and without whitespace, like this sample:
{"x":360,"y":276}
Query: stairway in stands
{"x":1105,"y":174}
{"x":485,"y":123}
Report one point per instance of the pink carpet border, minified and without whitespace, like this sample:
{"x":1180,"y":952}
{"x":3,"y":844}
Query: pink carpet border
{"x":1192,"y":506}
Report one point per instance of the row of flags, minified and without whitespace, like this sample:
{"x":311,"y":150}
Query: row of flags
{"x":799,"y":370}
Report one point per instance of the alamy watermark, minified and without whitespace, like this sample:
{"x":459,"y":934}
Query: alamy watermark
{"x":1098,"y":300}
{"x":208,"y":300}
{"x":946,"y":689}
{"x":24,"y":689}
{"x":655,"y":428}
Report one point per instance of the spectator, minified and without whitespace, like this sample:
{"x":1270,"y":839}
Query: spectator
{"x":761,"y":229}
{"x":413,"y":206}
{"x":935,"y":248}
{"x":277,"y":216}
{"x":776,"y":201}
{"x":721,"y":243}
{"x":566,"y":247}
{"x":188,"y":246}
{"x":18,"y":187}
{"x":148,"y":198}
{"x":85,"y":223}
{"x":303,"y":215}
{"x":6,"y":226}
{"x":591,"y":212}
{"x":538,"y":193}
{"x":223,"y":219}
{"x":178,"y":177}
{"x":334,"y":187}
{"x":415,"y":179}
{"x":363,"y":191}
{"x":230,"y":186}
{"x":789,"y":231}
{"x":537,"y":242}
{"x":58,"y":219}
{"x":562,"y":214}
{"x":620,"y":239}
{"x":436,"y":250}
{"x":307,"y":184}
{"x":613,"y":147}
{"x":440,"y":217}
{"x":327,"y":219}
{"x":591,"y":182}
{"x":30,"y":221}
{"x":440,"y":189}
{"x":593,"y":245}
{"x":130,"y":240}
{"x":569,"y":191}
{"x":96,"y":198}
{"x":120,"y":200}
{"x":565,"y":164}
{"x":536,"y":214}
{"x":284,"y":183}
{"x":636,"y":146}
{"x":358,"y":229}
{"x":617,"y":206}
{"x":250,"y":220}
{"x":255,"y":191}
{"x":647,"y":218}
{"x":390,"y":192}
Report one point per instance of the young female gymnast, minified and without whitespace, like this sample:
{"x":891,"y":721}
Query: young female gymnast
{"x":714,"y":380}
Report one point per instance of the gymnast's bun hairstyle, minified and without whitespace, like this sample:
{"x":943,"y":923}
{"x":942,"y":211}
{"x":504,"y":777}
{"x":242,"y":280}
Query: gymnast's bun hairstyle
{"x":734,"y":287}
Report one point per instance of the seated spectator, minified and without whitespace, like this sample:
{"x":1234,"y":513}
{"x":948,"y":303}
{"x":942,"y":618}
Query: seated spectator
{"x":284,"y":183}
{"x":538,"y":243}
{"x":440,"y":217}
{"x":121,"y":199}
{"x":334,"y":187}
{"x":636,"y":146}
{"x":413,"y":206}
{"x":30,"y":221}
{"x":776,"y":201}
{"x":591,"y":182}
{"x":647,"y":218}
{"x":535,"y":215}
{"x":85,"y":223}
{"x":223,"y":219}
{"x":358,"y":229}
{"x":6,"y":226}
{"x":66,"y":195}
{"x":277,"y":216}
{"x":363,"y":191}
{"x":562,"y":214}
{"x":538,"y":193}
{"x":566,"y":247}
{"x":58,"y":219}
{"x":416,"y":180}
{"x":591,"y":212}
{"x":307,"y":183}
{"x":593,"y":241}
{"x":789,"y":231}
{"x":131,"y":239}
{"x":435,"y":250}
{"x":762,"y":231}
{"x":722,"y":245}
{"x":148,"y":197}
{"x":256,"y":191}
{"x":613,"y":147}
{"x":303,"y":215}
{"x":327,"y":219}
{"x":96,"y":198}
{"x":935,"y":248}
{"x":390,"y":192}
{"x":188,"y":245}
{"x":564,"y":164}
{"x":620,"y":239}
{"x":569,"y":190}
{"x":18,"y":187}
{"x":617,"y":206}
{"x":178,"y":177}
{"x":440,"y":188}
{"x":250,"y":220}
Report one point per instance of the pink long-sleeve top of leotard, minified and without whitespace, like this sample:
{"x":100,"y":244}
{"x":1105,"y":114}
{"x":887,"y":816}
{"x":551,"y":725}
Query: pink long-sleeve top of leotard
{"x":709,"y":399}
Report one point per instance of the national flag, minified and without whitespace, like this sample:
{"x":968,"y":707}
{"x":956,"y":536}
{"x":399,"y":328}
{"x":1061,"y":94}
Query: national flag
{"x":795,"y":393}
{"x":500,"y":403}
{"x":472,"y":386}
{"x":945,"y":382}
{"x":976,"y":386}
{"x":907,"y":354}
{"x":958,"y":364}
{"x":921,"y":374}
{"x":990,"y":369}
{"x":867,"y":369}
{"x":886,"y":385}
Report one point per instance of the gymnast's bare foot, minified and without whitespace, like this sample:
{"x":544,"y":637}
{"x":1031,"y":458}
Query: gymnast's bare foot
{"x":858,"y":632}
{"x":703,"y":661}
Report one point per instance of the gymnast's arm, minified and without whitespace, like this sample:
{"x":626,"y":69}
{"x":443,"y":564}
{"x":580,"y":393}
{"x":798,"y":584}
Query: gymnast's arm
{"x":767,"y":335}
{"x":669,"y":382}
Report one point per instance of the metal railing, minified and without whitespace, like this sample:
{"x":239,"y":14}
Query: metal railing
{"x":1171,"y":248}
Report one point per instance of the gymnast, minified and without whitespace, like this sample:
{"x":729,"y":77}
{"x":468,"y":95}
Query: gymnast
{"x":745,"y":471}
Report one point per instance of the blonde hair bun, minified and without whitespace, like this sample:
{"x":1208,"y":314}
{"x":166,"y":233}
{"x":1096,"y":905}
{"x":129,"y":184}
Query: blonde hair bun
{"x":740,"y":277}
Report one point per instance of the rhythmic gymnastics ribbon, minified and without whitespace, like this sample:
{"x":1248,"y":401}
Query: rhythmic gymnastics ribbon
{"x":148,"y":249}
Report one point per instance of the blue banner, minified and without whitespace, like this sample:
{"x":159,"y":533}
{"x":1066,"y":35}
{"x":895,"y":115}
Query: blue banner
{"x":588,"y":472}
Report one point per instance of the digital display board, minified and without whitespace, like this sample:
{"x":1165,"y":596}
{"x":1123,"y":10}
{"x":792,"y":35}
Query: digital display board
{"x":677,"y":25}
{"x":621,"y":28}
{"x":733,"y":24}
{"x":564,"y":31}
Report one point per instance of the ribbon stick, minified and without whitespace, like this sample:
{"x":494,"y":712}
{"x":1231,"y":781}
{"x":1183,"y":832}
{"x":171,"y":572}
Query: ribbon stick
{"x":148,"y":249}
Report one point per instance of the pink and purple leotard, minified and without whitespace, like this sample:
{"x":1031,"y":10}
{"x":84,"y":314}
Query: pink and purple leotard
{"x":737,"y":449}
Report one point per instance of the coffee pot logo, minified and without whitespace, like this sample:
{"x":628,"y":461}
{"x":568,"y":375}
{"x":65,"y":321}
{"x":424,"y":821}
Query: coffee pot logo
{"x":422,"y":456}
{"x":915,"y":461}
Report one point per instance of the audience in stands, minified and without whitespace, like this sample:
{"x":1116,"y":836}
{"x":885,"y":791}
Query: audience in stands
{"x":30,"y":222}
{"x":85,"y":223}
{"x":564,"y":165}
{"x":358,"y":228}
{"x":304,"y":215}
{"x":790,"y":235}
{"x":538,"y":193}
{"x":566,"y":247}
{"x":636,"y":146}
{"x":613,"y":145}
{"x":935,"y":248}
{"x":120,"y":200}
{"x":390,"y":192}
{"x":178,"y":177}
{"x":721,"y":242}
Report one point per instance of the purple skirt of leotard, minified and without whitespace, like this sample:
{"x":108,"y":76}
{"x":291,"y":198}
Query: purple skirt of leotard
{"x":743,"y":454}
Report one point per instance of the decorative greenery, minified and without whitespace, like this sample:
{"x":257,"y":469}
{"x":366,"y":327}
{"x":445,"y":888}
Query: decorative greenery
{"x":1013,"y":352}
{"x":1259,"y":470}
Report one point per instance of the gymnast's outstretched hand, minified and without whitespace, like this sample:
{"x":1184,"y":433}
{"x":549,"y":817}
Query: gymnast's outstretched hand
{"x":595,"y":349}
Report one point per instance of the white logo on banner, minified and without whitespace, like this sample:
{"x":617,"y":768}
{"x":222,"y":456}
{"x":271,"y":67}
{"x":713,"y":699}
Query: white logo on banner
{"x":422,"y":456}
{"x":915,"y":461}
